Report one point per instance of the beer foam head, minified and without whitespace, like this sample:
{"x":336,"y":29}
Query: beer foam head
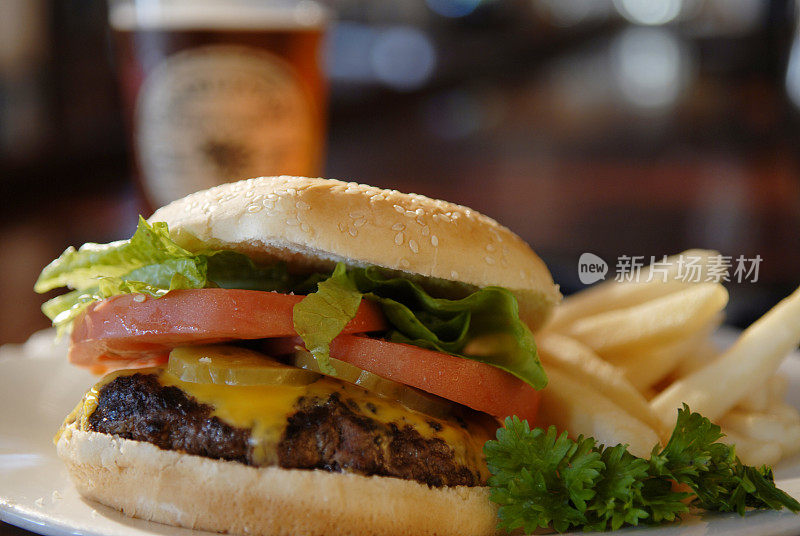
{"x":215,"y":14}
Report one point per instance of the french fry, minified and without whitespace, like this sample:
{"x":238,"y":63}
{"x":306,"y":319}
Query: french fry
{"x":789,"y":449}
{"x":763,"y":397}
{"x":611,"y":295}
{"x":785,"y":412}
{"x":765,"y":428}
{"x":752,"y":451}
{"x":761,"y":426}
{"x":649,"y":393}
{"x":652,"y":323}
{"x":572,"y":405}
{"x":777,"y":386}
{"x":579,"y":362}
{"x":757,"y":400}
{"x":714,"y":389}
{"x":646,"y":368}
{"x":701,"y":355}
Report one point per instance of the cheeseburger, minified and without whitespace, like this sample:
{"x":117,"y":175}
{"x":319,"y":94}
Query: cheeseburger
{"x":286,"y":355}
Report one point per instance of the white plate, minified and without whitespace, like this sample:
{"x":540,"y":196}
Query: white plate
{"x":38,"y":388}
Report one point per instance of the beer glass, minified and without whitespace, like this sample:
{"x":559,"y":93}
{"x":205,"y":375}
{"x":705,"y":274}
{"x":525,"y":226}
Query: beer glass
{"x":219,"y":90}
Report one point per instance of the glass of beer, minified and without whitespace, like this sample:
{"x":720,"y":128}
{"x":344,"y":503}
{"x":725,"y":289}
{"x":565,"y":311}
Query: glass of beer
{"x":219,"y":90}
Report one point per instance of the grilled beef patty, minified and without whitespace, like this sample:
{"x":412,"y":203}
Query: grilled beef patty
{"x":138,"y":407}
{"x":324,"y":433}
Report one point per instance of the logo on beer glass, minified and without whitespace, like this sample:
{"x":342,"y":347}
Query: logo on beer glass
{"x":220,"y":113}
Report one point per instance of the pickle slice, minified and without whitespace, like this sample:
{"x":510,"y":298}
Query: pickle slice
{"x":408,"y":396}
{"x":231,"y":365}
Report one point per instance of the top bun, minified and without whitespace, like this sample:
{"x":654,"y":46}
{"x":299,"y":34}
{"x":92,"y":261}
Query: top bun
{"x":314,"y":223}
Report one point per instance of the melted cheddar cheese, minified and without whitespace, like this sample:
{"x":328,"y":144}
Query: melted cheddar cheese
{"x":264,"y":410}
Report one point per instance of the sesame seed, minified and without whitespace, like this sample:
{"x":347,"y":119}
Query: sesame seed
{"x":454,"y":274}
{"x":360,"y":222}
{"x":404,"y":263}
{"x":490,"y":247}
{"x":489,"y":260}
{"x":398,"y":239}
{"x":434,"y":240}
{"x":399,"y":209}
{"x":353,"y":231}
{"x":342,"y":227}
{"x":413,"y":245}
{"x":398,"y":227}
{"x":426,"y":231}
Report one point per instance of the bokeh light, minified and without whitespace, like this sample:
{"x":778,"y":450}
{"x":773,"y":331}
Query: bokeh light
{"x":651,"y":67}
{"x":403,"y":58}
{"x":649,"y":12}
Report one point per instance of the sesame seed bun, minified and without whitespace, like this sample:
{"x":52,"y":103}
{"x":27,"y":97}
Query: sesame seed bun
{"x":179,"y":489}
{"x":314,"y":223}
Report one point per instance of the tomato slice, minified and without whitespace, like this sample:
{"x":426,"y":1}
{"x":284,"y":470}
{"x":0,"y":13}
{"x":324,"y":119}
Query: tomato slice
{"x":471,"y":383}
{"x":134,"y":327}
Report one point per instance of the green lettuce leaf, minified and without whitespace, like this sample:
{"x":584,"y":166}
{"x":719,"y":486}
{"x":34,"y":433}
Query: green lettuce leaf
{"x":323,"y":314}
{"x":484,"y":326}
{"x":80,"y":269}
{"x":149,"y":263}
{"x":228,"y":269}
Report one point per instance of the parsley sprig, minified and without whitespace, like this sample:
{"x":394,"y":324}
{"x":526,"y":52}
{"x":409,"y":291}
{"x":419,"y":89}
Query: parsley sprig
{"x":541,"y":479}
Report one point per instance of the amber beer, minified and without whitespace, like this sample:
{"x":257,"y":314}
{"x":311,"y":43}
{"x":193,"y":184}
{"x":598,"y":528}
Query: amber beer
{"x":218,"y":91}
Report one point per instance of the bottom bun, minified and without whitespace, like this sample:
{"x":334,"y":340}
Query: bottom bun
{"x":179,"y":489}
